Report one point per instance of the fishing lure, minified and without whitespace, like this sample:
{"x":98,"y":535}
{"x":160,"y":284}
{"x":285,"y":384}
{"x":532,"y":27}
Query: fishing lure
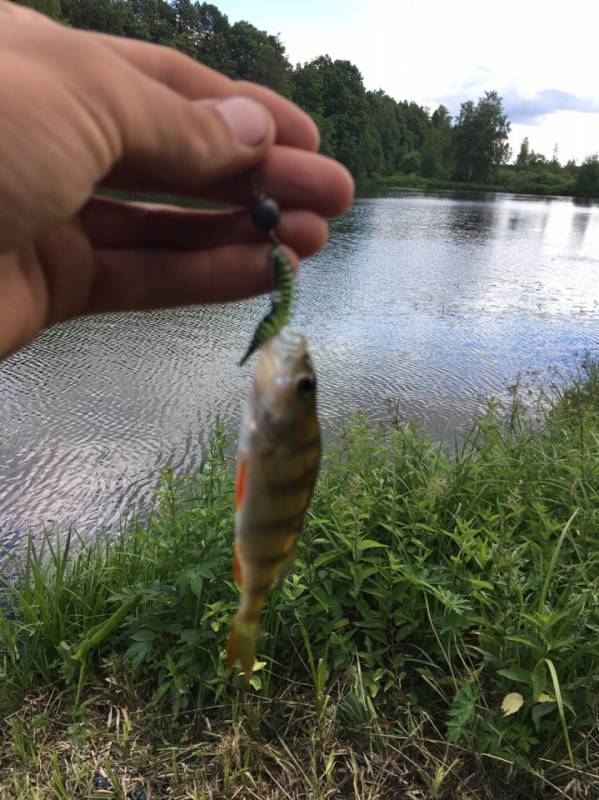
{"x":265,"y":214}
{"x":280,"y":307}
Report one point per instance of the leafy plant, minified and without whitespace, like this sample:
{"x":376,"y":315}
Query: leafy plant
{"x":429,"y":585}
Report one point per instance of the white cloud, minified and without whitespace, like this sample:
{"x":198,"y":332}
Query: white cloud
{"x":576,"y":134}
{"x":426,"y":51}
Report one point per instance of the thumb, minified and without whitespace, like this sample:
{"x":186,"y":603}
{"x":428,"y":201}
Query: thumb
{"x":194,"y":143}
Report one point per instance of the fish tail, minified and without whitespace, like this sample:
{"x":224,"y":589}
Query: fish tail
{"x":242,"y":646}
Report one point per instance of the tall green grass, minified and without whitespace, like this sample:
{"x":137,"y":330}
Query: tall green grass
{"x":537,"y":181}
{"x":429,"y":585}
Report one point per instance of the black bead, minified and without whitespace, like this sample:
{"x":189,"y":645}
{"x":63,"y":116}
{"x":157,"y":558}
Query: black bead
{"x":266,"y":213}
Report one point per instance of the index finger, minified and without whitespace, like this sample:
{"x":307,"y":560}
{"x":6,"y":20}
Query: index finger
{"x":196,"y":81}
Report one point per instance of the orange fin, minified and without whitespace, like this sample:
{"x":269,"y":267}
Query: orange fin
{"x":242,"y":647}
{"x":237,"y":568}
{"x":240,"y":482}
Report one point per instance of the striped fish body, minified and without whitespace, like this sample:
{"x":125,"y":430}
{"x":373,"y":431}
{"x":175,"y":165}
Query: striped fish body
{"x":278,"y":460}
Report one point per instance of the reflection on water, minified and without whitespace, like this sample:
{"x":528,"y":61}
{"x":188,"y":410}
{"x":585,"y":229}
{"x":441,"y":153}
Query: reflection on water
{"x":425,"y":302}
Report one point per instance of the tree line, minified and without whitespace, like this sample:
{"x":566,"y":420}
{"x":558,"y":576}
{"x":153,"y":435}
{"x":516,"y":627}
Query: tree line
{"x":374,"y":135}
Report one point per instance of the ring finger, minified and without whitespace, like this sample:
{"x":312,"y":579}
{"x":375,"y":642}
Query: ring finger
{"x":110,"y":224}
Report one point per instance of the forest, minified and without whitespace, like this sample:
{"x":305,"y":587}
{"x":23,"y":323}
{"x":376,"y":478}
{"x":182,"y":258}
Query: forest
{"x":377,"y":137}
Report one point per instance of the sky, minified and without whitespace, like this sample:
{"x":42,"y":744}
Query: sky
{"x":540,"y":55}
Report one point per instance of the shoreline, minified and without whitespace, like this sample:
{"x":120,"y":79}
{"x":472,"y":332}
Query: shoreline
{"x":369,"y":187}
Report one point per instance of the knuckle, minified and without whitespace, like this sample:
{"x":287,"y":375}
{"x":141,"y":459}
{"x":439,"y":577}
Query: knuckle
{"x":169,"y":64}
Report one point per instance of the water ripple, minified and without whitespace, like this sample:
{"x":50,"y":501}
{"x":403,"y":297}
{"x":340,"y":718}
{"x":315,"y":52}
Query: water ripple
{"x":423,"y":303}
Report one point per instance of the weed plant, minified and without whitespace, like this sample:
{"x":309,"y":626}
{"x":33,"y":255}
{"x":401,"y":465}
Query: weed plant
{"x":429,"y":585}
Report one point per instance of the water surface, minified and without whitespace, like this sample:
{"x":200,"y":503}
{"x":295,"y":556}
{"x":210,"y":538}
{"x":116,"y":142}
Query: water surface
{"x":428,"y":303}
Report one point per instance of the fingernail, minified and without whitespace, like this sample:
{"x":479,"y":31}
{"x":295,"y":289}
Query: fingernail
{"x":247,"y":119}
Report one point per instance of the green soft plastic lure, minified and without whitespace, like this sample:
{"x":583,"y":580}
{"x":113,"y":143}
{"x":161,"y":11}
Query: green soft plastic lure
{"x":280,"y":308}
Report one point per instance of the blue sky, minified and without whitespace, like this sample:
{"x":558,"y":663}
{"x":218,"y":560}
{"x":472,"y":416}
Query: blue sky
{"x":541,"y":55}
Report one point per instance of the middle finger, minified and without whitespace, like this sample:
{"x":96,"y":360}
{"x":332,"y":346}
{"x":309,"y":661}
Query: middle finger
{"x":111,"y":224}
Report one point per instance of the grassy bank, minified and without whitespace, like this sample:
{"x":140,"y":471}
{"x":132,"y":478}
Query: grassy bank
{"x":508,"y":180}
{"x":428,"y":587}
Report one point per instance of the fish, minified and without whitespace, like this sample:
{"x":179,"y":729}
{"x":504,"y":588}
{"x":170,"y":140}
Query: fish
{"x":277,"y":465}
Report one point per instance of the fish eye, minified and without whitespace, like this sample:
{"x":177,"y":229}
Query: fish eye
{"x":305,"y":385}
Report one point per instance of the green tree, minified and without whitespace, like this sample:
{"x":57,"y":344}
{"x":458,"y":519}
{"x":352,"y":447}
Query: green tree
{"x":117,"y":18}
{"x":537,"y":160}
{"x":481,"y":138}
{"x":259,"y":57}
{"x":411,"y":163}
{"x":213,"y":28}
{"x":524,"y":155}
{"x":587,"y":181}
{"x":417,"y":123}
{"x":369,"y":131}
{"x":51,"y":8}
{"x":437,"y":150}
{"x":441,"y":118}
{"x":431,"y":162}
{"x":555,"y":165}
{"x":387,"y":119}
{"x":187,"y":35}
{"x":333,"y":93}
{"x":185,"y":16}
{"x":571,"y":167}
{"x":307,"y":90}
{"x":156,"y":20}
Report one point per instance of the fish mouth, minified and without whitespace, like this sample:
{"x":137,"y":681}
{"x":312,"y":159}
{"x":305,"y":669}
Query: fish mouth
{"x":289,"y":344}
{"x":291,"y":338}
{"x":283,"y":358}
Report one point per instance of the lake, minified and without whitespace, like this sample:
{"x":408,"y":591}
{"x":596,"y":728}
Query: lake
{"x":428,"y":303}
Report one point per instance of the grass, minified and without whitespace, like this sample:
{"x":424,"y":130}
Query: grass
{"x":429,"y":586}
{"x":543,"y":182}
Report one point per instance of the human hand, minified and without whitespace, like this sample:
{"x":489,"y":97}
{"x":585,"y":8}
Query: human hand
{"x":81,"y":110}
